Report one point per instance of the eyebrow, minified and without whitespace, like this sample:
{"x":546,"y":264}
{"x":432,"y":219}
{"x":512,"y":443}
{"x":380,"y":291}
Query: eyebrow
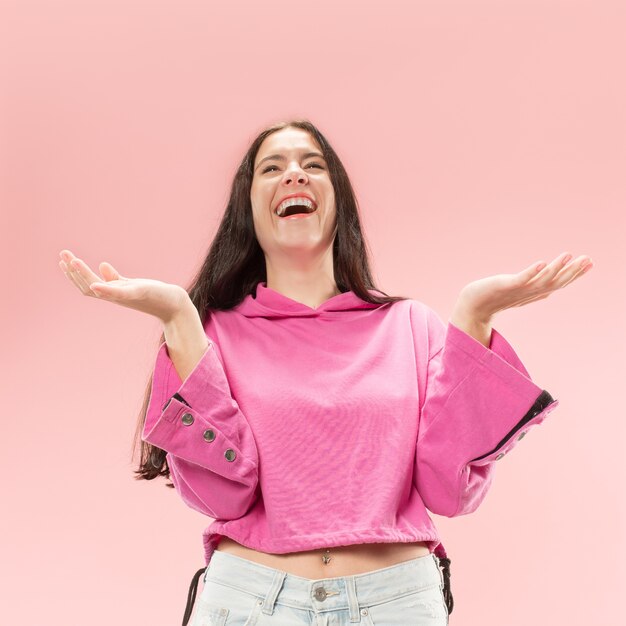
{"x":280,"y":157}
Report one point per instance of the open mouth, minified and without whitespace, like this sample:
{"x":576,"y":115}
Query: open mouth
{"x":296,"y":210}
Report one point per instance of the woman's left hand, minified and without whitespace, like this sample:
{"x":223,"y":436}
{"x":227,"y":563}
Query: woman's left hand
{"x":481,"y":299}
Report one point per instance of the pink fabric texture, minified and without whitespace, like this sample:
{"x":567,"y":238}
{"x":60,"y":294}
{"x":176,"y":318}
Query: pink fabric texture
{"x":304,"y":428}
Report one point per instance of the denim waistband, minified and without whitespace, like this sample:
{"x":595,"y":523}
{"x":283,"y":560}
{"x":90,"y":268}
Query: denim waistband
{"x":323,"y":594}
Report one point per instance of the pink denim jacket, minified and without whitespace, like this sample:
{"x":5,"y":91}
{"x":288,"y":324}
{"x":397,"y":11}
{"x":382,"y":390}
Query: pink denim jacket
{"x":304,"y":428}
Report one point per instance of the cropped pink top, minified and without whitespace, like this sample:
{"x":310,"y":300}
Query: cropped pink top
{"x":304,"y":428}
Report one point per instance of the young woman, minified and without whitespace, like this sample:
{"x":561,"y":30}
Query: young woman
{"x":314,"y":417}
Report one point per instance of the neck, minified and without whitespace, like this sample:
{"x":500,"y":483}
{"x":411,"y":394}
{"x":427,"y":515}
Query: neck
{"x":309,"y":288}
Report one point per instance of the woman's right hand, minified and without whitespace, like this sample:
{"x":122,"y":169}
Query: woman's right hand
{"x":163,"y":300}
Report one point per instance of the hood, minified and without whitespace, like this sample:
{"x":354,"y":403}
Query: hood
{"x":268,"y":302}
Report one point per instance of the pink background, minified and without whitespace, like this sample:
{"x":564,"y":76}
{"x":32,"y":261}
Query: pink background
{"x":480,"y":137}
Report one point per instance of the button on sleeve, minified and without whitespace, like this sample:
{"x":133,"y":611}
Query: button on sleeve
{"x":211,"y":448}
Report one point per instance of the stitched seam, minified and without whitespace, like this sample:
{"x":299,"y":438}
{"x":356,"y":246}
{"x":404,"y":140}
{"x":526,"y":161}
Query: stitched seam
{"x":445,"y":404}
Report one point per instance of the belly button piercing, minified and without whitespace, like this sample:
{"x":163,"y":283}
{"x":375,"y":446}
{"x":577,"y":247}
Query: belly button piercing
{"x":325,"y":557}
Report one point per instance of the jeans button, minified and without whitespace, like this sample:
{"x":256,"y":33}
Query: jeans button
{"x":320,"y":593}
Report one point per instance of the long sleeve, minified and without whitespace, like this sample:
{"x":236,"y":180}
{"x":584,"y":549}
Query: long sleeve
{"x":210,"y":447}
{"x":478,"y":404}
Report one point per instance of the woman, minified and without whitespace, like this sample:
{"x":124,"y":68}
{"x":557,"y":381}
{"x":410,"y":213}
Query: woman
{"x":312,"y":416}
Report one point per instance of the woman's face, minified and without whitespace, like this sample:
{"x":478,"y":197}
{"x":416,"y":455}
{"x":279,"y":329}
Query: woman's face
{"x":290,"y":170}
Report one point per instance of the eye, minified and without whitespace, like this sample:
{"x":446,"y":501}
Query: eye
{"x":271,"y":167}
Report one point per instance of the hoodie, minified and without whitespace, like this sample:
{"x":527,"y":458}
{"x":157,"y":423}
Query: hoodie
{"x":304,"y":428}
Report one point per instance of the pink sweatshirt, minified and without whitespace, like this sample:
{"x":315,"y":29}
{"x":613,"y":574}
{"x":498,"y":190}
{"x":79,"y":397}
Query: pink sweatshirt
{"x":304,"y":428}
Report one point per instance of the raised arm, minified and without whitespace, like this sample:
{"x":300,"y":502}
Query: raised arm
{"x":191,"y":414}
{"x":479,"y":400}
{"x":211,"y":450}
{"x":477,"y":405}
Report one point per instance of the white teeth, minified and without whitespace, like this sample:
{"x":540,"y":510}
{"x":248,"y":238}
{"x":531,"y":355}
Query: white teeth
{"x":282,"y":207}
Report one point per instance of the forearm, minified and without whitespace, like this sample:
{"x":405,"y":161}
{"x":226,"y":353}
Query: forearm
{"x":472,"y":324}
{"x":186,"y":339}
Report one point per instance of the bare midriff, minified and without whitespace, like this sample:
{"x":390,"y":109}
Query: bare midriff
{"x":344,"y":560}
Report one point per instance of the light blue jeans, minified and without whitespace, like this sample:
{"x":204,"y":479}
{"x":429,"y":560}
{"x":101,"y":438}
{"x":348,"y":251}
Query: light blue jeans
{"x":240,"y":592}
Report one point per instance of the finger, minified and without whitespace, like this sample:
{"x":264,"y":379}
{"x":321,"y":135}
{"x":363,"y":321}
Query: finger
{"x":72,"y":268}
{"x":71,"y":275}
{"x":68,"y":257}
{"x":80,"y":279}
{"x":582,"y":268}
{"x":109,"y":272}
{"x":531,"y":271}
{"x":550,"y":270}
{"x":568,"y":271}
{"x":121,"y":288}
{"x":580,"y":262}
{"x":84,"y":271}
{"x":84,"y":275}
{"x":117,"y":292}
{"x":66,"y":271}
{"x":72,"y":271}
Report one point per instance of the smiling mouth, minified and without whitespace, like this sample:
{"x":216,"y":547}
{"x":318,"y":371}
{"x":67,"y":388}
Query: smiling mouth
{"x":296,"y":210}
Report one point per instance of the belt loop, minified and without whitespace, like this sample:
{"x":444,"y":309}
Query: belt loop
{"x":438,"y":564}
{"x":270,"y":597}
{"x":353,"y":601}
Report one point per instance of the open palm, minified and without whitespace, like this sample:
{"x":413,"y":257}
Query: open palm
{"x":163,"y":300}
{"x":484,"y":297}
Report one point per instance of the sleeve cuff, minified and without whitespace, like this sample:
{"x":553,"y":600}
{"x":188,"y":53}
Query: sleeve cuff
{"x":499,"y":357}
{"x":485,"y":395}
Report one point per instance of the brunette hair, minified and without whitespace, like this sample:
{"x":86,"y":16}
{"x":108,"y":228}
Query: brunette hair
{"x":235,"y":262}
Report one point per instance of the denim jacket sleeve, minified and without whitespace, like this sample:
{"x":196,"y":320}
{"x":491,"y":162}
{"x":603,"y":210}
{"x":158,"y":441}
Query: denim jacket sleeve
{"x":478,"y":404}
{"x":211,"y":451}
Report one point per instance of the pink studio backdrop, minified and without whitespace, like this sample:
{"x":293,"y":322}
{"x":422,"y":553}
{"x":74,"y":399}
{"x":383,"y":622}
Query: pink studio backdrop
{"x":479,"y":136}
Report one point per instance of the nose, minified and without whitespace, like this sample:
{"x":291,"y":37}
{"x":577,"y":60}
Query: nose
{"x":294,"y":171}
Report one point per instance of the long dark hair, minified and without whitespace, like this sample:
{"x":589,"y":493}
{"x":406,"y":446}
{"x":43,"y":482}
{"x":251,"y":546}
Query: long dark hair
{"x":235,"y":262}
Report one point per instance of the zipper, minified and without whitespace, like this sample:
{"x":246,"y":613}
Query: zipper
{"x":543,"y":401}
{"x":179,"y":398}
